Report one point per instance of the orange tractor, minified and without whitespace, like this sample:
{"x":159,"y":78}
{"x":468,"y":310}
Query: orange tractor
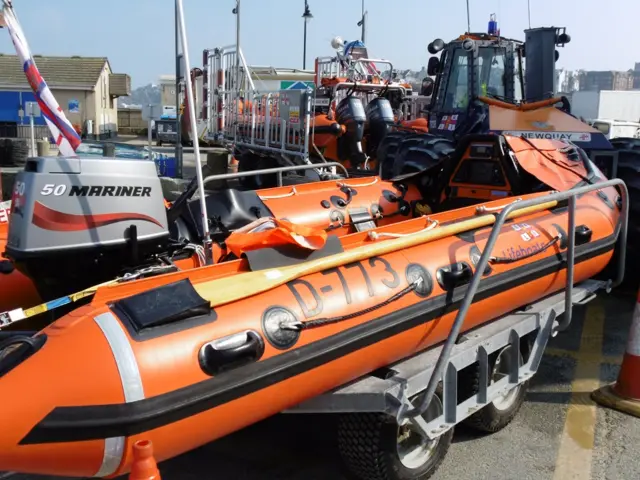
{"x":488,"y":84}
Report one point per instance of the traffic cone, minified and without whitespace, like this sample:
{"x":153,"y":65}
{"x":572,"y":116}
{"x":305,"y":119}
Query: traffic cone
{"x":233,"y":164}
{"x":144,"y":466}
{"x":624,"y":395}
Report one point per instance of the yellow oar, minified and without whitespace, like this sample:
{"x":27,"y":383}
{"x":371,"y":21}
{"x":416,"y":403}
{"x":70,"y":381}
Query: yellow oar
{"x":243,"y":285}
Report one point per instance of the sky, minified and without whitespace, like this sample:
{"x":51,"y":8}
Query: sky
{"x":138,"y":35}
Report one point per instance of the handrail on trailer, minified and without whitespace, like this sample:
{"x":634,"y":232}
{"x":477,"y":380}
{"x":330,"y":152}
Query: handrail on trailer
{"x":569,"y":195}
{"x":277,"y":170}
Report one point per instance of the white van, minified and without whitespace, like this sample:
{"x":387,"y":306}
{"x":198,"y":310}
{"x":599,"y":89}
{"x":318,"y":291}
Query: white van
{"x":617,"y":128}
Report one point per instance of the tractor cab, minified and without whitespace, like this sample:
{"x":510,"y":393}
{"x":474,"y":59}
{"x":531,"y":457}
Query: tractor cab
{"x":482,"y":86}
{"x":470,"y":67}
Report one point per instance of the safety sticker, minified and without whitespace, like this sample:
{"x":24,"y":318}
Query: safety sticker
{"x":534,"y":233}
{"x":516,"y":227}
{"x":525,"y":236}
{"x":294,"y":115}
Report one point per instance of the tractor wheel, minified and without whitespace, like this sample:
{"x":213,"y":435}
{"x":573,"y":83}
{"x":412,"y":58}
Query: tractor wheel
{"x":387,"y":150}
{"x":416,"y":152}
{"x":629,"y":173}
{"x":374,"y":447}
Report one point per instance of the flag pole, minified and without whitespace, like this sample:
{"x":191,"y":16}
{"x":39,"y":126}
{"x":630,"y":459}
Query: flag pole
{"x":206,"y":236}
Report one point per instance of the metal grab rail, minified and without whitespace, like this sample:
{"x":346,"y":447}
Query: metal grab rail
{"x":570,"y":195}
{"x":278,"y":170}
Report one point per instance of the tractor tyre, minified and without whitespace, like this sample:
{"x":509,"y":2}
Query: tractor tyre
{"x":629,"y":173}
{"x":387,"y":150}
{"x":419,"y":152}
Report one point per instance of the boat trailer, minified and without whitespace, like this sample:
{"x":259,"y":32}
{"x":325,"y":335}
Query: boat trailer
{"x":406,"y":391}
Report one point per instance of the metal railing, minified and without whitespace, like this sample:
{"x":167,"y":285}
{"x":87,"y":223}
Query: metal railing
{"x":40,"y":132}
{"x":227,"y":77}
{"x":278,"y":122}
{"x":413,"y":107}
{"x":278,"y":171}
{"x":354,"y":70}
{"x":570,"y":195}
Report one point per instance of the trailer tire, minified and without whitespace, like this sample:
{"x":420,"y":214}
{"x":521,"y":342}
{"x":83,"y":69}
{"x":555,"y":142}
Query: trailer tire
{"x":369,"y":446}
{"x":499,"y":413}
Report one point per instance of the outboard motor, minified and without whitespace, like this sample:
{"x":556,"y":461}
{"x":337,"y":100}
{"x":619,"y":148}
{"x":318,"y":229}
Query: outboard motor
{"x":350,"y":113}
{"x":380,"y":121}
{"x":77,"y":222}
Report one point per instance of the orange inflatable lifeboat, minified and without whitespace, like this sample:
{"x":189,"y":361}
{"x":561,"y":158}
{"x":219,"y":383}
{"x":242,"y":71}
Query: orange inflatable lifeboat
{"x":16,"y":288}
{"x":184,"y":358}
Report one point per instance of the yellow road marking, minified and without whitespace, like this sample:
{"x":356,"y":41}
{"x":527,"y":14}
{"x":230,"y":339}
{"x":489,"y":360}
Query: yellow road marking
{"x":576,"y":444}
{"x":576,"y":355}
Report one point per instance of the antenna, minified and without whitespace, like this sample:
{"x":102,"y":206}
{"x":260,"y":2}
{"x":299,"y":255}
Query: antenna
{"x":206,"y":236}
{"x":237,"y":13}
{"x":529,"y":12}
{"x":363,"y":22}
{"x":468,"y":19}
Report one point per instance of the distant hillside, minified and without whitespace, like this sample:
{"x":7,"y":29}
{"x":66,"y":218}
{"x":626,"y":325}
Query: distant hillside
{"x":149,"y":94}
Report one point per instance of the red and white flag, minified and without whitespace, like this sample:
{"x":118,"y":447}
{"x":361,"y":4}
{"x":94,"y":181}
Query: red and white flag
{"x":61,"y":129}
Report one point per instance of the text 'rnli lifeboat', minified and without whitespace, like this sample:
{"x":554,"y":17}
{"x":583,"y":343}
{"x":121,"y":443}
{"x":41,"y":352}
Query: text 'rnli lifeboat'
{"x":185,"y":358}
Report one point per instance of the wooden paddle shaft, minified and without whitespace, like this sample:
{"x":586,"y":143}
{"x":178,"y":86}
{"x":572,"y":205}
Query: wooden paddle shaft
{"x":243,"y":285}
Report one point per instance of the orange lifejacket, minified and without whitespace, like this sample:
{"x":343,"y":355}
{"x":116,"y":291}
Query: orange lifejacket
{"x":271,"y":232}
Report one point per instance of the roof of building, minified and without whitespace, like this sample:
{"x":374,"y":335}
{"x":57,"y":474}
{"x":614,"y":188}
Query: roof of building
{"x":78,"y":72}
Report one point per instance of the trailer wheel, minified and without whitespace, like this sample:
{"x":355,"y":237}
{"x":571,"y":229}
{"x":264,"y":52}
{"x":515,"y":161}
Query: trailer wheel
{"x":499,"y":413}
{"x":374,"y":447}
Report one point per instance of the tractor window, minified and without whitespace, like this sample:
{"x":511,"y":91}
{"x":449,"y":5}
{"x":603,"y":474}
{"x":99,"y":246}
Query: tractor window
{"x":518,"y":61}
{"x":490,"y":71}
{"x":457,"y":94}
{"x":604,"y":127}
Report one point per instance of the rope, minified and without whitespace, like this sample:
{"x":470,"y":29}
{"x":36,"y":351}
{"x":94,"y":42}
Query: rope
{"x":199,"y":251}
{"x":484,"y":209}
{"x":373,"y":235}
{"x":527,"y":255}
{"x":284,"y":195}
{"x":321,"y":322}
{"x":344,"y":184}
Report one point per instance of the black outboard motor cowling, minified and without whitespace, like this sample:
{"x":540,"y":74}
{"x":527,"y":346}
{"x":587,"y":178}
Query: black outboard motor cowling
{"x":350,"y":113}
{"x":379,"y":123}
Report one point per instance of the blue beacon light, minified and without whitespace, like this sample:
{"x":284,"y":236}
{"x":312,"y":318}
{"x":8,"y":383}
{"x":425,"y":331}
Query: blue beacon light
{"x":493,"y":24}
